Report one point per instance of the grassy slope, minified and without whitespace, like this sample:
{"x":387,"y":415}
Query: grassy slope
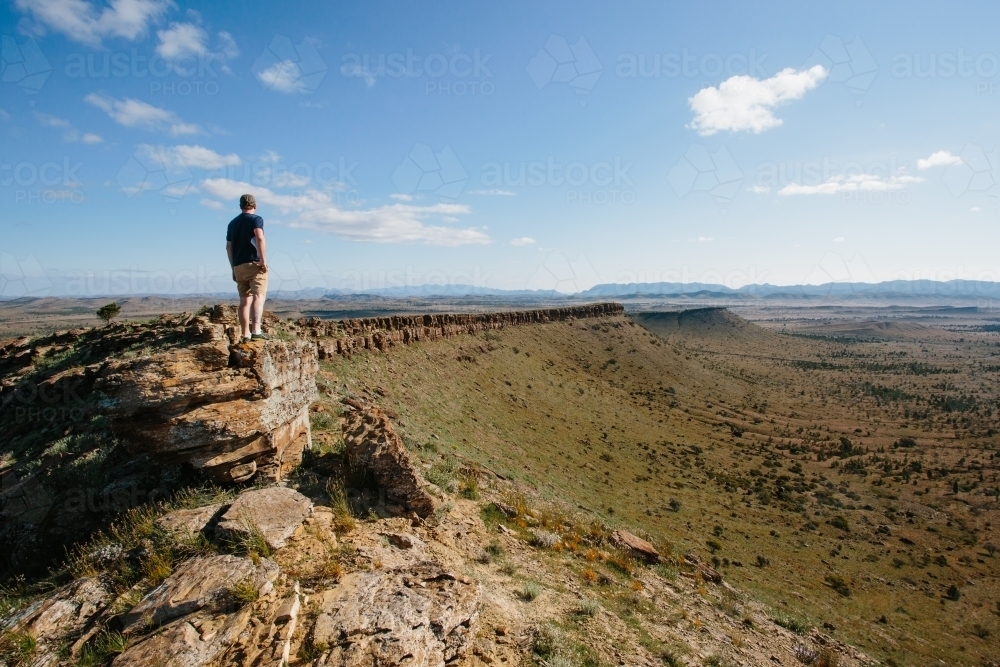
{"x":582,"y":411}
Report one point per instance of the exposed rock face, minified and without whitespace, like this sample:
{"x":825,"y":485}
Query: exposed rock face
{"x":380,"y":333}
{"x":193,"y":521}
{"x":419,"y":616}
{"x":232,"y":411}
{"x":201,"y":620}
{"x":374,"y":444}
{"x":635,"y":546}
{"x":275,"y":511}
{"x":59,"y":618}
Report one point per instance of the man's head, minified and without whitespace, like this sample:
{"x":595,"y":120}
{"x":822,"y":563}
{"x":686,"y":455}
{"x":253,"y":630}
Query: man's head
{"x":248,"y":203}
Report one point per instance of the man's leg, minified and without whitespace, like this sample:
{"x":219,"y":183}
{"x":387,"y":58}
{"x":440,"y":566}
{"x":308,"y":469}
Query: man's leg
{"x":245,"y":315}
{"x":258,"y":312}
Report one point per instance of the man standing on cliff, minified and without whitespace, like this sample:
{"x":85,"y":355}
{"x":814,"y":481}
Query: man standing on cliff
{"x":247,"y":255}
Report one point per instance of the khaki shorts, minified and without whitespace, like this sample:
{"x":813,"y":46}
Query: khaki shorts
{"x":250,"y":280}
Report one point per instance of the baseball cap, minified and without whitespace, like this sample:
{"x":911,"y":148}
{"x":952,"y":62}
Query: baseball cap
{"x":247,"y":201}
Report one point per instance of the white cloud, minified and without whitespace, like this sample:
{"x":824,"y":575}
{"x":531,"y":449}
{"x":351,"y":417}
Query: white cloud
{"x":47,"y":120}
{"x":135,"y":113}
{"x":393,"y":223}
{"x":288,"y":179}
{"x":269,"y":156}
{"x":976,"y":209}
{"x":283,"y":76}
{"x":189,"y":157}
{"x":354,"y":69}
{"x":494,"y":192}
{"x":743,"y":103}
{"x":760,"y":189}
{"x":88,"y":24}
{"x":212,"y":204}
{"x":524,"y":240}
{"x":705,"y":238}
{"x":71,"y":134}
{"x":856,"y":183}
{"x":839,"y":239}
{"x":938,"y":159}
{"x":401,"y":196}
{"x":182,"y":40}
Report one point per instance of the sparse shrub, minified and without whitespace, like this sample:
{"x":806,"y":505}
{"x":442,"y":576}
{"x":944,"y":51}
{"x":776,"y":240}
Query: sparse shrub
{"x":509,"y":569}
{"x":589,"y":608}
{"x":545,"y":643}
{"x":671,"y":659}
{"x":675,"y":505}
{"x":109,"y":311}
{"x":103,"y":648}
{"x":954,"y":594}
{"x":543,"y":539}
{"x":789,"y":622}
{"x":469,"y":487}
{"x":713,"y":546}
{"x":494,"y":549}
{"x":491,"y":515}
{"x":804,"y":654}
{"x":762,"y":561}
{"x":979,"y":631}
{"x":838,"y":584}
{"x":589,"y":575}
{"x":840,"y":523}
{"x":529,"y":591}
{"x":252,"y":541}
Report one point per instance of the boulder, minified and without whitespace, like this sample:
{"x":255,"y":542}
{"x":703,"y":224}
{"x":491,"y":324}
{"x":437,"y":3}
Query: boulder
{"x":419,"y":615}
{"x":234,"y":411}
{"x":374,"y":444}
{"x":198,"y":583}
{"x":192,"y":521}
{"x":635,"y":546}
{"x":275,"y":511}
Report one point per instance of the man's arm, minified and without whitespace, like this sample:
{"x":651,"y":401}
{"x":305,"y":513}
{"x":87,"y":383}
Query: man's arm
{"x":229,"y":251}
{"x":261,"y":248}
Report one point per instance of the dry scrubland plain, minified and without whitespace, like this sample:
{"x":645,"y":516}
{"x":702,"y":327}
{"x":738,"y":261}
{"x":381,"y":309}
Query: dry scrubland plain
{"x":848,"y":480}
{"x":838,"y":467}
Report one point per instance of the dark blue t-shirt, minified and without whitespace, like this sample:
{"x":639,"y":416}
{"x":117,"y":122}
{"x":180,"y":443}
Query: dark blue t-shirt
{"x":240,"y":234}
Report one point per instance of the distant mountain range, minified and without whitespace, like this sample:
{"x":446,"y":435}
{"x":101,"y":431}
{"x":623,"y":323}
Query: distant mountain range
{"x":893,"y":289}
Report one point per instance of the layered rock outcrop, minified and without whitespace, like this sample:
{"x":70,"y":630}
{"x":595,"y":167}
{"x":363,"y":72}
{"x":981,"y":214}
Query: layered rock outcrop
{"x":233,"y":411}
{"x":381,"y":333}
{"x":373,"y":444}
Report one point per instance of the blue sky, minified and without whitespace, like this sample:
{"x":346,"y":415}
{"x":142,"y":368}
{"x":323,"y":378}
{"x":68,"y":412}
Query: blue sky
{"x":514,"y":145}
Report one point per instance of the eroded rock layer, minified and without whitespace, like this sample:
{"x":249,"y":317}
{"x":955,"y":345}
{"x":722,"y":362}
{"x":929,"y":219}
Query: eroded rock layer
{"x":380,"y":333}
{"x":233,"y":411}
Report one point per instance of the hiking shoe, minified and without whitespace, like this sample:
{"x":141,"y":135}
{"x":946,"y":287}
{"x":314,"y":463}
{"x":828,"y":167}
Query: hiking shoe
{"x":245,"y":339}
{"x":260,"y":336}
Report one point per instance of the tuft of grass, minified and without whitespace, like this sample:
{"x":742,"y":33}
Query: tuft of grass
{"x":251,"y":541}
{"x":343,"y":516}
{"x":242,"y":592}
{"x":491,"y":515}
{"x":469,"y":487}
{"x":529,"y":591}
{"x":17,"y":648}
{"x":103,"y":649}
{"x":838,"y":584}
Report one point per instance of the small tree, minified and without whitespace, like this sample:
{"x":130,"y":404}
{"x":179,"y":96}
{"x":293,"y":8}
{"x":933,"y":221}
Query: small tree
{"x":109,"y":312}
